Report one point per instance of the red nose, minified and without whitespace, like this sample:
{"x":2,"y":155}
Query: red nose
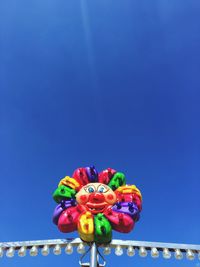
{"x":96,"y":198}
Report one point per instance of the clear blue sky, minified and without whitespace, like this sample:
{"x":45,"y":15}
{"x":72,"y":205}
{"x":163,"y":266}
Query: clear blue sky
{"x":110,"y":83}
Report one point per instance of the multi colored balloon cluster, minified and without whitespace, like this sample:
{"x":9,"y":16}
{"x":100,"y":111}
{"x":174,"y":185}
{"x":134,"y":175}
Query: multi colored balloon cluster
{"x":94,"y":204}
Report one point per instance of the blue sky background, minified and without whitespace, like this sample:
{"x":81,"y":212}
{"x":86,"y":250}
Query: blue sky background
{"x":110,"y":83}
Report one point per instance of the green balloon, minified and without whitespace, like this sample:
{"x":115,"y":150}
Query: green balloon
{"x":63,"y":192}
{"x":103,"y":229}
{"x":117,"y":180}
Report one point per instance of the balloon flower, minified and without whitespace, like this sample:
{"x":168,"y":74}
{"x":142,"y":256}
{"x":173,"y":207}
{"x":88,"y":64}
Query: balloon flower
{"x":94,"y":204}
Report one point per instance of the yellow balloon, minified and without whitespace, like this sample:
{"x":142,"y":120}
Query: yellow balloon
{"x":129,"y":189}
{"x":71,"y":182}
{"x":86,"y":227}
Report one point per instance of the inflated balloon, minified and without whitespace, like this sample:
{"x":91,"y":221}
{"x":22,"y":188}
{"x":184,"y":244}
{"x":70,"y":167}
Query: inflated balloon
{"x":129,"y":208}
{"x":94,"y":204}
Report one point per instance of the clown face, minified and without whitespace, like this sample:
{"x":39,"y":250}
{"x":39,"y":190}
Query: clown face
{"x":95,"y":203}
{"x":96,"y":197}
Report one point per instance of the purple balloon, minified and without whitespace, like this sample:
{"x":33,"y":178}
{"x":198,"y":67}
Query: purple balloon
{"x":64,"y":204}
{"x":92,"y":174}
{"x":129,"y":208}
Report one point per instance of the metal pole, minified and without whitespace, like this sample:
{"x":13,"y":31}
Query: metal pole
{"x":93,"y":256}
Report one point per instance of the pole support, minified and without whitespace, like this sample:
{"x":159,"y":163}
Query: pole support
{"x":93,"y":255}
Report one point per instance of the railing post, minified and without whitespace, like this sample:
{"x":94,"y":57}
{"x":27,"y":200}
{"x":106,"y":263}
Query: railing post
{"x":93,"y":255}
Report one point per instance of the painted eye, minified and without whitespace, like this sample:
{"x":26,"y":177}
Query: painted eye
{"x":90,"y":189}
{"x":102,"y":189}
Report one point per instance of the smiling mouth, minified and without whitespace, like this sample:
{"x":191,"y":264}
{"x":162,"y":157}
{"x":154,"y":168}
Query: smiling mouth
{"x":96,"y":208}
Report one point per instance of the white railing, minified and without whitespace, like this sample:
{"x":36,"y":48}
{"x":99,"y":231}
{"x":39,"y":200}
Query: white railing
{"x":131,"y":247}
